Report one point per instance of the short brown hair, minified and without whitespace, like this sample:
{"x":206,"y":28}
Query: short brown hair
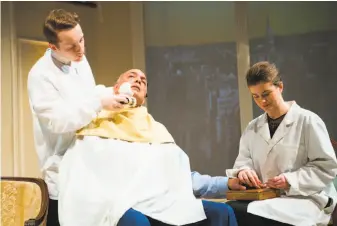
{"x":58,"y":20}
{"x":263,"y":72}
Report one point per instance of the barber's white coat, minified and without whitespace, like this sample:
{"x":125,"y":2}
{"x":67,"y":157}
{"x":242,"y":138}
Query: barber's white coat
{"x":302,"y":151}
{"x":100,"y":179}
{"x":62,"y":101}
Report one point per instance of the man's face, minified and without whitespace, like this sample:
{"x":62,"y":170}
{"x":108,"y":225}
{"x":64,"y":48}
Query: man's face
{"x":138,"y":82}
{"x":70,"y":44}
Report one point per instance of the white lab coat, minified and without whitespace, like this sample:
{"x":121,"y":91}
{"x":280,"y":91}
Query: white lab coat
{"x":100,"y":179}
{"x":62,"y":101}
{"x":302,"y":151}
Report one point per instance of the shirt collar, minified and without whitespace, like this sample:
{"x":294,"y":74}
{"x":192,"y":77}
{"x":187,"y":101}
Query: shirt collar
{"x":64,"y":67}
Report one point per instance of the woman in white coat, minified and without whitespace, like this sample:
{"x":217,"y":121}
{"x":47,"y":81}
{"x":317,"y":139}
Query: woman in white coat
{"x":286,"y":148}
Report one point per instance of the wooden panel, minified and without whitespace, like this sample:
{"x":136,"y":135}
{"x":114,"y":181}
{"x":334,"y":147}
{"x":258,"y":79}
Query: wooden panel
{"x":7,"y":156}
{"x":28,"y":53}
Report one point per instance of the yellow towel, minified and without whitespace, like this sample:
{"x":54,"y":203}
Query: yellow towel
{"x":133,"y":124}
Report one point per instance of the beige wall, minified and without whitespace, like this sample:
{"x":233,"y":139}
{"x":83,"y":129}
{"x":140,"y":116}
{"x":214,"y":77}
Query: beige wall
{"x":292,"y":17}
{"x":194,"y":23}
{"x":107,"y":33}
{"x":6,"y":94}
{"x":113,"y":34}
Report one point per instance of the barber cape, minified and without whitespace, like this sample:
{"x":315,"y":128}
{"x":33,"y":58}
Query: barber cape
{"x":126,"y":160}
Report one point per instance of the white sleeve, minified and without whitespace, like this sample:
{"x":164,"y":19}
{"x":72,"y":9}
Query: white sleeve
{"x":87,"y":68}
{"x":60,"y":115}
{"x":321,"y":167}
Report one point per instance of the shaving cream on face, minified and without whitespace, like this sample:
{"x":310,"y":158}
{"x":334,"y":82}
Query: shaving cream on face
{"x":125,"y":89}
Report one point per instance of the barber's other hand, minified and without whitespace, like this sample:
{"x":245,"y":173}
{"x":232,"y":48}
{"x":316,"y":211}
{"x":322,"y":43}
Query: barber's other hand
{"x":249,"y":177}
{"x":234,"y":184}
{"x":113,"y":102}
{"x":279,"y":182}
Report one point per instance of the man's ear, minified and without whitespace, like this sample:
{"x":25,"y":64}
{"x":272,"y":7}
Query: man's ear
{"x":116,"y":88}
{"x":52,"y":47}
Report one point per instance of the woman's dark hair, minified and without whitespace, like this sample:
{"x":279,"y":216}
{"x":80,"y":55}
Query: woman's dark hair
{"x":263,"y":72}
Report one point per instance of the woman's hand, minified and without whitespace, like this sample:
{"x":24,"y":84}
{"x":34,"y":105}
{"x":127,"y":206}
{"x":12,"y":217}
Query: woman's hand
{"x":279,"y":182}
{"x":249,"y":177}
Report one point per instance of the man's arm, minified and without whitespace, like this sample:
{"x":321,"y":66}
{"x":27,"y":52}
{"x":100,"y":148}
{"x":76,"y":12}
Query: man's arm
{"x":205,"y":186}
{"x":58,"y":114}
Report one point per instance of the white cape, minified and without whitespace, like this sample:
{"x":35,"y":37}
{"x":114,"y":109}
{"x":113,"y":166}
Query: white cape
{"x":100,"y":179}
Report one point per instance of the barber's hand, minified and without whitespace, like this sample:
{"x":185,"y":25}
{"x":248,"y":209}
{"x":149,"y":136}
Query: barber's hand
{"x":249,"y":177}
{"x":279,"y":182}
{"x":234,"y":184}
{"x":113,"y":102}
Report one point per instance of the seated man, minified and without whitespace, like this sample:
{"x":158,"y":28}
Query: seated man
{"x":125,"y":169}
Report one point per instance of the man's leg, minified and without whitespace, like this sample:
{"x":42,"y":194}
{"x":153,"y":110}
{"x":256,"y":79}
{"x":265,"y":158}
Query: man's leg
{"x":154,"y":222}
{"x":219,"y":214}
{"x":53,"y":216}
{"x":134,"y":218}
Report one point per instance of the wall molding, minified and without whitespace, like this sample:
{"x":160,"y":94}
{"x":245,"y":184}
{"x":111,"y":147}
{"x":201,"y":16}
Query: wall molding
{"x":17,"y":170}
{"x":21,"y":105}
{"x":243,"y":62}
{"x":137,"y":36}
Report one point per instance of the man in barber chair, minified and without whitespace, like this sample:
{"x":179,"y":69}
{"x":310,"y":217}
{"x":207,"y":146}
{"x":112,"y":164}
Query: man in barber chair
{"x":125,"y":169}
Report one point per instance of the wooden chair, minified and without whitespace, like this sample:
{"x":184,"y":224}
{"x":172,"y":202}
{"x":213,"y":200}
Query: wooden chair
{"x":24,"y":201}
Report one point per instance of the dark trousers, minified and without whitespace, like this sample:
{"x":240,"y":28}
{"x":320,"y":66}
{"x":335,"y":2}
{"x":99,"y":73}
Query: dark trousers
{"x":218,"y":214}
{"x":247,"y":219}
{"x":53,"y":217}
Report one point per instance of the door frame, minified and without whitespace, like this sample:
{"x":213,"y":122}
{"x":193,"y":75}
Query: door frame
{"x":18,"y":110}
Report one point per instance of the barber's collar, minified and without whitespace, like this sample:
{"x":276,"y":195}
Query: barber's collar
{"x":61,"y":63}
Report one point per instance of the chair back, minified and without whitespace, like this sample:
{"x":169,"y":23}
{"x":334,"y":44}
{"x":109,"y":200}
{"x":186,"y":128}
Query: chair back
{"x":24,"y":201}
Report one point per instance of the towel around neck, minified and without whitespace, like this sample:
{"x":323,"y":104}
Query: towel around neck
{"x":129,"y":124}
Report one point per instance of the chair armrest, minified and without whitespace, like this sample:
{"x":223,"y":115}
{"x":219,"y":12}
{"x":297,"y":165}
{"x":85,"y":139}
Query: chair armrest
{"x":31,"y":222}
{"x":42,"y":216}
{"x":37,"y":221}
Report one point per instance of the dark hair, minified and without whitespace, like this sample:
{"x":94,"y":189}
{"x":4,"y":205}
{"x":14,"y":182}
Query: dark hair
{"x":58,"y":20}
{"x":263,"y":72}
